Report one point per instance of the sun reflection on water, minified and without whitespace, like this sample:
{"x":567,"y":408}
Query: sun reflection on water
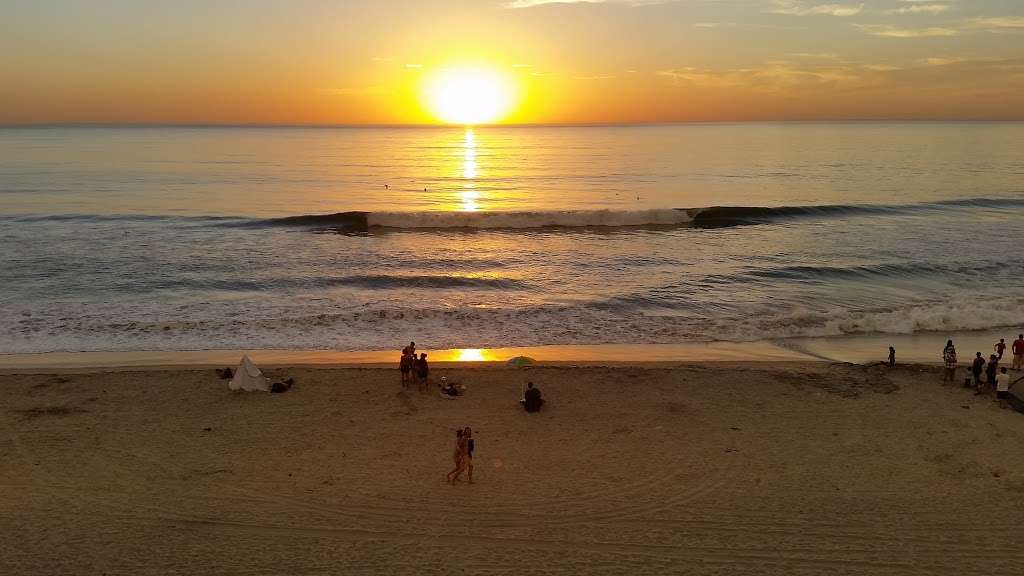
{"x":469,"y":173}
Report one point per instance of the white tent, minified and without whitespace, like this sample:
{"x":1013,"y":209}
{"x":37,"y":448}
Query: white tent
{"x":248,"y":377}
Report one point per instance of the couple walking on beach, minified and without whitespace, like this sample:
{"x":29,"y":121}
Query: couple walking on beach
{"x":464,"y":447}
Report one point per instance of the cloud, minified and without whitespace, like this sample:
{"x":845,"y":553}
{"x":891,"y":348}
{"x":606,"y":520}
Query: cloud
{"x":888,"y":31}
{"x":814,"y":78}
{"x":796,"y":8}
{"x":942,"y":61}
{"x":997,"y":23}
{"x":532,"y":3}
{"x":920,"y":8}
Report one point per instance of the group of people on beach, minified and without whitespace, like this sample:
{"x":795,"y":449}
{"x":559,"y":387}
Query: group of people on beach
{"x":986,"y":375}
{"x":414,"y":370}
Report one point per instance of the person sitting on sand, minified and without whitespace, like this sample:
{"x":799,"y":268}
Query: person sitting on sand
{"x":532,"y":400}
{"x":459,"y":449}
{"x":977,"y":368}
{"x":1018,"y":352}
{"x":448,"y":389}
{"x":422,"y":372}
{"x":949,"y":360}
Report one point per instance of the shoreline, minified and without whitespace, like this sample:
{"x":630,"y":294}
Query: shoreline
{"x":921,"y":348}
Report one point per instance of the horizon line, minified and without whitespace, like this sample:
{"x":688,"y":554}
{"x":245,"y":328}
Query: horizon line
{"x":500,"y":125}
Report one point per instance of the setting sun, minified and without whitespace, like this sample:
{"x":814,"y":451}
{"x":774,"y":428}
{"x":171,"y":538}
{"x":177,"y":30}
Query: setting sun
{"x":469,"y":95}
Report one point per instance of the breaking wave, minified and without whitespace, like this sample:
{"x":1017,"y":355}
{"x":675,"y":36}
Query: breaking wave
{"x":706,"y":217}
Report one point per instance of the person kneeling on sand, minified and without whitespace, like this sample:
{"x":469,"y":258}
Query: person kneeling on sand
{"x":532,"y":400}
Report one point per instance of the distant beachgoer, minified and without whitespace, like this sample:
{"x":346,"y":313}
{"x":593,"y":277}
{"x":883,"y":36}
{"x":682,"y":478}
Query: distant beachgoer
{"x":459,"y":448}
{"x":405,"y":365}
{"x":949,"y":359}
{"x":448,"y":389}
{"x":532,"y":400}
{"x":1000,"y":347}
{"x":892,"y":357}
{"x":466,"y":448}
{"x":1003,"y":384}
{"x":1018,"y":352}
{"x":977,"y":368}
{"x":422,"y":371}
{"x":467,"y":456}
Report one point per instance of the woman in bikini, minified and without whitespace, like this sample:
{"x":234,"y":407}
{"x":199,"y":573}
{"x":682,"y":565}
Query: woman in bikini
{"x":459,"y":448}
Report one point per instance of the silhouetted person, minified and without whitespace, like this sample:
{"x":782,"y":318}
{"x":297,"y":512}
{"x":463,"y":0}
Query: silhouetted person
{"x":532,"y":400}
{"x":977,"y":368}
{"x":892,"y":356}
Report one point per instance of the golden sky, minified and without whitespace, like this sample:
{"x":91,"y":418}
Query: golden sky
{"x":356,"y":62}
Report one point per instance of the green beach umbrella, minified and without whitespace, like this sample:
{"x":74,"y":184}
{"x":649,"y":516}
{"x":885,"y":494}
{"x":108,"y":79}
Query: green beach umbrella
{"x":521,"y":361}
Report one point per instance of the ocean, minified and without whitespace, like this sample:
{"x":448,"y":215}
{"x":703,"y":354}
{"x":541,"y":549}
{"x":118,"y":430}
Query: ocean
{"x":196,"y":238}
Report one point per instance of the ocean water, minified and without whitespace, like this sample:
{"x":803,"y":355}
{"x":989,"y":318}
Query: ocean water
{"x":363,"y":239}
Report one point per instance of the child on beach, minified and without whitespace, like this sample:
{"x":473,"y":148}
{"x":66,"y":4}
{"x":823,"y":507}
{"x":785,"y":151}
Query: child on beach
{"x":1003,"y":384}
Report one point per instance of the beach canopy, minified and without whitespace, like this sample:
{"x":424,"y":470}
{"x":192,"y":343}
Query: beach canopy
{"x":248,"y":377}
{"x":521,"y":361}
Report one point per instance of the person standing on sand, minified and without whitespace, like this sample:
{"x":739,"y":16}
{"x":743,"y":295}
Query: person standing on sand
{"x":459,"y":449}
{"x":977,"y":369}
{"x":465,"y":455}
{"x":405,"y":365}
{"x":1018,"y":352}
{"x":949,"y":360}
{"x":991,"y":369}
{"x":892,"y":357}
{"x":1000,"y":347}
{"x":422,"y":372}
{"x":1003,"y":384}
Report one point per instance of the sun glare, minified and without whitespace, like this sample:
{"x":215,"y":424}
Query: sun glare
{"x":469,"y":95}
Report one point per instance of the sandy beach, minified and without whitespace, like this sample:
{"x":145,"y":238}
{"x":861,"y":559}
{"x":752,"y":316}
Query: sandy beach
{"x":717,"y":468}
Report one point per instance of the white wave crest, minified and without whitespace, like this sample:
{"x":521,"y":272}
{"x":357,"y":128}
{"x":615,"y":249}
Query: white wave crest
{"x":526,"y":220}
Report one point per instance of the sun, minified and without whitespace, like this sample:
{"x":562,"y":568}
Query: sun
{"x":469,"y":95}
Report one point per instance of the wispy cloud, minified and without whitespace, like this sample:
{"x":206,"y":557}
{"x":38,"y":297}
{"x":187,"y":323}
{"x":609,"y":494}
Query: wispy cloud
{"x":997,"y":23}
{"x":532,"y":3}
{"x":796,"y":8}
{"x":942,"y":61}
{"x":888,"y":31}
{"x":920,"y":7}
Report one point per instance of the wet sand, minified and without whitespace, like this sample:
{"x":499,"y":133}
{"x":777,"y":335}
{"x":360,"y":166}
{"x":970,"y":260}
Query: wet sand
{"x":715,"y":468}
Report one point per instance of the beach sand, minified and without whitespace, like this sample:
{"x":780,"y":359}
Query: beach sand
{"x":720,"y":468}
